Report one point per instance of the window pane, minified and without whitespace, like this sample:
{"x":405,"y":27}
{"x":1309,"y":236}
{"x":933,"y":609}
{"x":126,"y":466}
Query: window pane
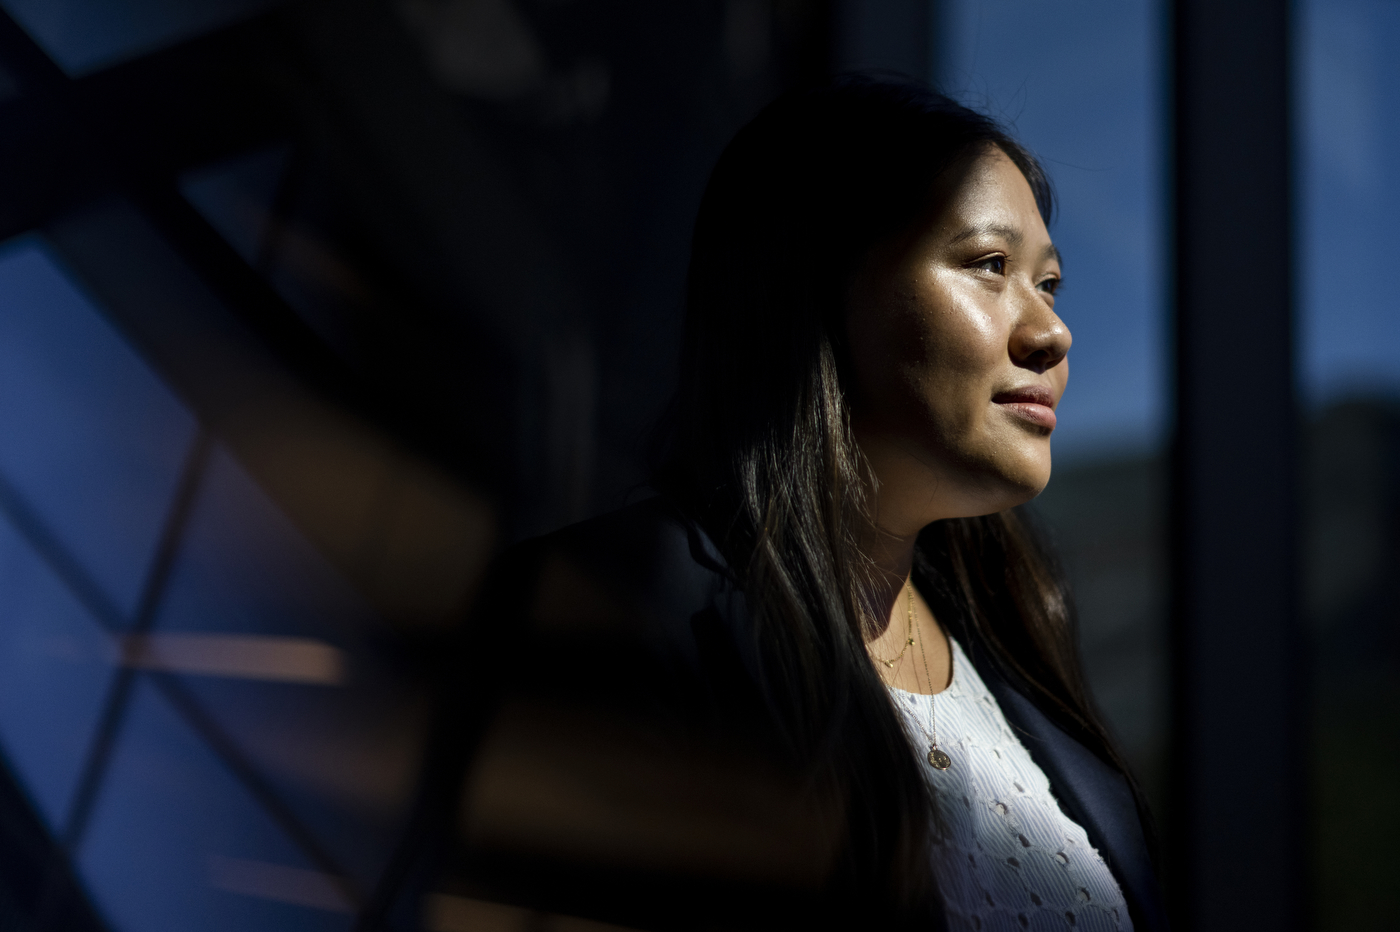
{"x":177,"y":843}
{"x":1349,"y":333}
{"x":55,"y":670}
{"x":1349,"y":198}
{"x":1080,"y":84}
{"x":342,"y":749}
{"x":89,"y":436}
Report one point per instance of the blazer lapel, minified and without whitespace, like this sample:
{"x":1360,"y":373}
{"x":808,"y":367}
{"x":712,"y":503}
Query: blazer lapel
{"x":1093,"y":794}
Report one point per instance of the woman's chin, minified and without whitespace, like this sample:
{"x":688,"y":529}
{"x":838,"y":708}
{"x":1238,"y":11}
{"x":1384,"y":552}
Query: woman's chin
{"x":1027,"y":471}
{"x":1015,"y":483}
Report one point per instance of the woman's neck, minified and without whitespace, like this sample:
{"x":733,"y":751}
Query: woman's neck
{"x":909,"y":648}
{"x":892,"y":559}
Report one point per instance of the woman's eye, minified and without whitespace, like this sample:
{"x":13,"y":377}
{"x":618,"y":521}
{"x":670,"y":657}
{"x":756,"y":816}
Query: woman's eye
{"x":995,"y":264}
{"x":1049,"y":286}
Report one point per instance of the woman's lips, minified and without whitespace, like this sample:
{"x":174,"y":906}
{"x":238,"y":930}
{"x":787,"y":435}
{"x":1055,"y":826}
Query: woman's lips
{"x":1032,"y":403}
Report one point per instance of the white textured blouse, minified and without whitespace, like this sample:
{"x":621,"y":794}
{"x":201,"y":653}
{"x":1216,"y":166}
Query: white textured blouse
{"x":1008,"y":858}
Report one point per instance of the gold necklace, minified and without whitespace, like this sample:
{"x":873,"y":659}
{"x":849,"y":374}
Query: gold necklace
{"x":937,"y":758}
{"x":908,"y":632}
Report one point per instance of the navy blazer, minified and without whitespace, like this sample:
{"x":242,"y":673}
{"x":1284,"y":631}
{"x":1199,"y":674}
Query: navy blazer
{"x":617,"y":775}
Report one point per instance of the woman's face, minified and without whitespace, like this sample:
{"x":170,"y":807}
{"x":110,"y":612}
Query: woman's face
{"x":959,"y":358}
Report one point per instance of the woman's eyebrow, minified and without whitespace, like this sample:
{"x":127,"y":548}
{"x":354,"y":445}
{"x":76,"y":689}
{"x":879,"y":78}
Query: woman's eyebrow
{"x":1010,"y":234}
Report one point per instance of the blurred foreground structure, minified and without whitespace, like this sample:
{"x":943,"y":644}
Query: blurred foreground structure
{"x":308,"y":308}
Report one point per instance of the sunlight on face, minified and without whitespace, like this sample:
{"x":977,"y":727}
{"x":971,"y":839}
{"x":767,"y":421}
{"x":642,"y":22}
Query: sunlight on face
{"x":959,"y":358}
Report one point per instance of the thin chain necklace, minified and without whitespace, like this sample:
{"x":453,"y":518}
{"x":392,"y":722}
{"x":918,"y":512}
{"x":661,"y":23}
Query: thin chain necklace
{"x":937,"y":759}
{"x":908,"y":637}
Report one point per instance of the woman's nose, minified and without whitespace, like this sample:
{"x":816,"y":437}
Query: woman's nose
{"x":1039,"y":340}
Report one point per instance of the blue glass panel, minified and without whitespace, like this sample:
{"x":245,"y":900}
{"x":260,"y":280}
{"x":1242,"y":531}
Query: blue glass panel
{"x":236,"y":197}
{"x":55,"y":667}
{"x":177,"y":843}
{"x":1349,"y":198}
{"x":1081,"y":83}
{"x":83,"y":36}
{"x":343,"y":755}
{"x":245,"y":567}
{"x":89,"y":435}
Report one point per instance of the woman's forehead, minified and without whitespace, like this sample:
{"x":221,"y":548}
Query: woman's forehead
{"x":988,"y":197}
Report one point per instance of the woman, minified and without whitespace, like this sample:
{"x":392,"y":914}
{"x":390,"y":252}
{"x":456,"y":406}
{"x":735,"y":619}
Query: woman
{"x":827,"y":676}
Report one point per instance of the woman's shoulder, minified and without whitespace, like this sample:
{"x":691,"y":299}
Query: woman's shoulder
{"x":642,"y":544}
{"x":642,"y":572}
{"x":626,"y":742}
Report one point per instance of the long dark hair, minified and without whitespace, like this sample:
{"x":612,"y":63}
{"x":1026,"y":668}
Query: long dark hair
{"x":758,"y":447}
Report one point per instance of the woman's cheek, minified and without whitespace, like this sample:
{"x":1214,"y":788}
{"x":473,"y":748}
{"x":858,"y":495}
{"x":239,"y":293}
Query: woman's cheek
{"x":948,"y":398}
{"x":970,"y":355}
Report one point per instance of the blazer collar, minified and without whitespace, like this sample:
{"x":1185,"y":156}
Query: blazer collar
{"x":1090,"y":791}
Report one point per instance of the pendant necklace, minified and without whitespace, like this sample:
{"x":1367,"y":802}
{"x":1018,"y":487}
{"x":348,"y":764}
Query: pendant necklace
{"x":937,"y":758}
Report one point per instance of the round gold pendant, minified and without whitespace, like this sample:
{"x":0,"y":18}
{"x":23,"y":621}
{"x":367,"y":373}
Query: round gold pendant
{"x":938,"y":760}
